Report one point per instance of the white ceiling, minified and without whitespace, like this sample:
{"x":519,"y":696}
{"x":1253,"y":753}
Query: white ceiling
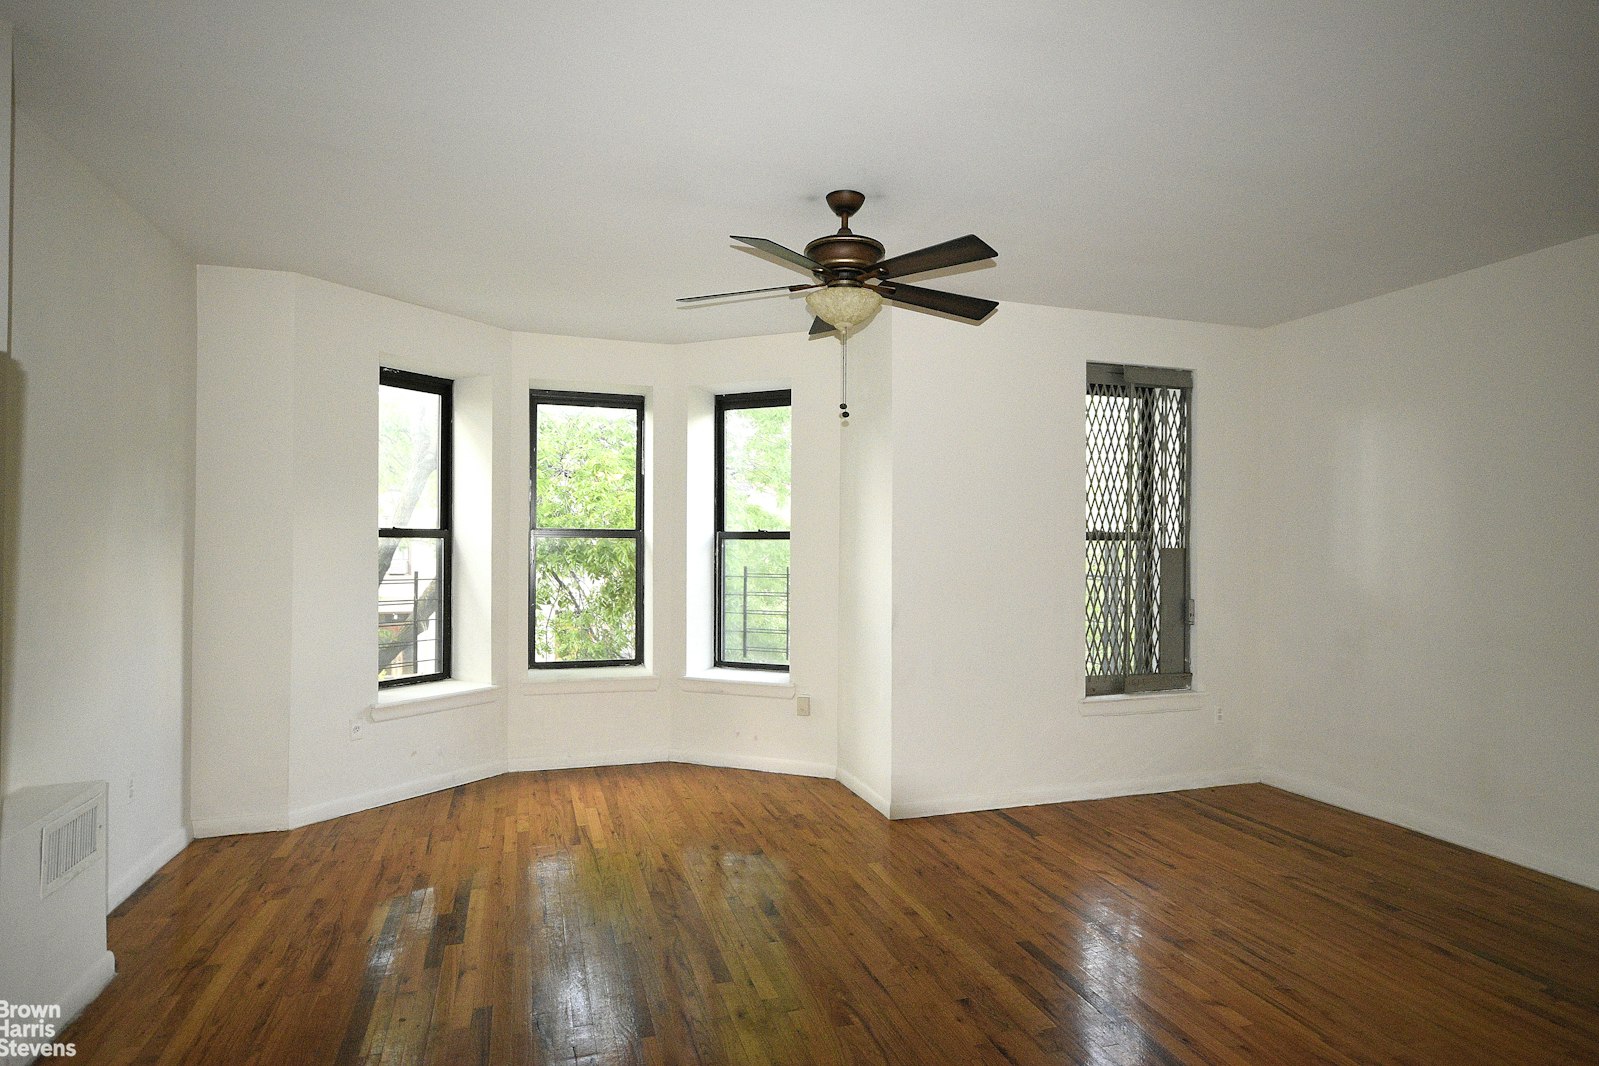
{"x":572,"y":167}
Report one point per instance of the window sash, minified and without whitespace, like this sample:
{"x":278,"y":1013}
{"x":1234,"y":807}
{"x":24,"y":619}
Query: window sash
{"x":444,"y":389}
{"x":537,"y":533}
{"x":743,"y":401}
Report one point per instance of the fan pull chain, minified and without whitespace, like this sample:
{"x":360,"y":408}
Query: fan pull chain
{"x":843,"y":407}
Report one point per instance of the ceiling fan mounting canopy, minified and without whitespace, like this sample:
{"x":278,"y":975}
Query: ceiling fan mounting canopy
{"x":848,"y":260}
{"x":845,"y":256}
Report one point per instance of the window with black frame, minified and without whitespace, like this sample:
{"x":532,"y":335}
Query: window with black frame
{"x":1137,"y":606}
{"x":414,"y":548}
{"x":586,"y":550}
{"x":753,"y":479}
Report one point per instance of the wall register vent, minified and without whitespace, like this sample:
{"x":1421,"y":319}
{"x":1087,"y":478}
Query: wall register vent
{"x":70,"y":843}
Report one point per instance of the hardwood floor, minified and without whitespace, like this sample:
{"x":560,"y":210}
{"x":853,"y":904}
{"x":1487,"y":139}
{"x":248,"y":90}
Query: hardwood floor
{"x":677,"y":914}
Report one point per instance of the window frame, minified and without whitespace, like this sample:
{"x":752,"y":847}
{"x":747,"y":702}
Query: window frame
{"x":444,"y":389}
{"x":563,"y":398}
{"x":740,"y":401}
{"x":1172,"y":632}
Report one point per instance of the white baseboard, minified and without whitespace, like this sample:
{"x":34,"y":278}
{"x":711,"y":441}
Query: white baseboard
{"x":379,"y":797}
{"x":534,"y":763}
{"x":337,"y":808}
{"x":1071,"y":793}
{"x":863,"y":790}
{"x":151,"y":861}
{"x":83,"y":991}
{"x":1576,"y":871}
{"x":763,"y":763}
{"x":236,"y":824}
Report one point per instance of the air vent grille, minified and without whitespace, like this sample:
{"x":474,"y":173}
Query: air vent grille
{"x":70,"y":843}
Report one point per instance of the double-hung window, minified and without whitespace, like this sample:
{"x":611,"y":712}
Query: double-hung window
{"x":414,"y":502}
{"x":1138,"y":607}
{"x":753,"y":474}
{"x":586,"y":550}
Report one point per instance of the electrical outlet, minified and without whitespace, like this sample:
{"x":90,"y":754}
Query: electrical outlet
{"x":802,"y":706}
{"x":130,"y":786}
{"x":1218,"y":714}
{"x":357,"y":729}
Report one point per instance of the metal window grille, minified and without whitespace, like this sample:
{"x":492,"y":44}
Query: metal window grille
{"x":1137,"y":603}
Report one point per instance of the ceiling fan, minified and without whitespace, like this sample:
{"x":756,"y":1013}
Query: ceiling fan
{"x":853,"y":278}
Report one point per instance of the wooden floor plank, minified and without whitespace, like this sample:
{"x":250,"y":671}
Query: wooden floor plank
{"x":669,"y":913}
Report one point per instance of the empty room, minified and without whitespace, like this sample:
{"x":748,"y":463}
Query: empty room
{"x":914,"y":533}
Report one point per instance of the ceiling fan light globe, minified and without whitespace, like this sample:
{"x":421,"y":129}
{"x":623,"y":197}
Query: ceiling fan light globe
{"x":843,"y":306}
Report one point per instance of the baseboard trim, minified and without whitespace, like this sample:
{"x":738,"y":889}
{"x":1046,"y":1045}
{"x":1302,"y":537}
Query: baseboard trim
{"x":141,"y":871}
{"x":763,"y":763}
{"x":338,"y":808}
{"x":535,"y":763}
{"x":1584,"y":874}
{"x":1071,"y":793}
{"x":381,"y":797}
{"x":235,"y":825}
{"x":864,"y":791}
{"x":86,"y":988}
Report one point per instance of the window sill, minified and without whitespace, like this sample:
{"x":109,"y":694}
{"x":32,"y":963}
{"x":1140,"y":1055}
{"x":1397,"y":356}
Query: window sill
{"x":407,"y":701}
{"x":728,"y":682}
{"x":591,"y":679}
{"x":1148,"y":702}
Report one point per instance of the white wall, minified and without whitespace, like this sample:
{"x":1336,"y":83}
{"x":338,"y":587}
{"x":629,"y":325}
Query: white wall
{"x":286,"y":505}
{"x":866,"y":570}
{"x":582,"y":717}
{"x":563,"y":718}
{"x":286,"y":497}
{"x":988,"y":520}
{"x":100,"y":425}
{"x":1432,"y":483}
{"x":243,"y":537}
{"x":754,"y":725}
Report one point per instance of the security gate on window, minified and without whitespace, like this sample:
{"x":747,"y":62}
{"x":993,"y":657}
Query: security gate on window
{"x":1137,"y":603}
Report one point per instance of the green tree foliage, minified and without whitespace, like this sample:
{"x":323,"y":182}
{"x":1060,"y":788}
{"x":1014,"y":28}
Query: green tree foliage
{"x":583,"y":599}
{"x":757,"y":473}
{"x":583,"y":590}
{"x":757,"y":483}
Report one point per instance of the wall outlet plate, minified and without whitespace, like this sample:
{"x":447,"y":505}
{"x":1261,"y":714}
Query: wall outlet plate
{"x":802,"y":706}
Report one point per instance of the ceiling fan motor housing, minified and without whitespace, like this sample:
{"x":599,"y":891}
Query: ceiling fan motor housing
{"x":844,"y":256}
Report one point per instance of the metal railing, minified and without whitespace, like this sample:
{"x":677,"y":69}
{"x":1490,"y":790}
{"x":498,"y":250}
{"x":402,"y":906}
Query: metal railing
{"x":404,"y":648}
{"x":755,"y":616}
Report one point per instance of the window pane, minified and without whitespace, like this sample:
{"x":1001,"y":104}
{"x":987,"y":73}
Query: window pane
{"x":587,"y":467}
{"x":583,"y":599}
{"x":756,"y":469}
{"x":408,"y":607}
{"x":755,"y":602}
{"x":408,"y":458}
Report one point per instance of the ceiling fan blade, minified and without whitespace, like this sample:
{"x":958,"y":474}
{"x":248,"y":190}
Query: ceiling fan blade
{"x":744,"y":292}
{"x":773,"y":248}
{"x":950,"y":303}
{"x":818,"y":327}
{"x":967,"y":249}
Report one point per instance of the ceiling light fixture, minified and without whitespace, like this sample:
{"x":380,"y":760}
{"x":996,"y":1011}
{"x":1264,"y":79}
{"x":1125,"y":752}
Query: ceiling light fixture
{"x":843,"y":306}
